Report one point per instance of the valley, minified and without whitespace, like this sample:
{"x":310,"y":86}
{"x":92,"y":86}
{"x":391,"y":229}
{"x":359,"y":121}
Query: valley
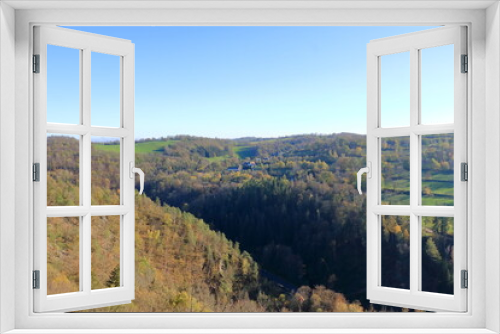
{"x":257,"y":224}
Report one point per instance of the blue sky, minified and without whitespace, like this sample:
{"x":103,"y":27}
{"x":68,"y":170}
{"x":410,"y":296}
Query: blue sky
{"x":230,"y":82}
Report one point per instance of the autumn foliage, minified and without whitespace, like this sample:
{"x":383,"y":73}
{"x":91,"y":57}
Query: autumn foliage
{"x":248,"y":225}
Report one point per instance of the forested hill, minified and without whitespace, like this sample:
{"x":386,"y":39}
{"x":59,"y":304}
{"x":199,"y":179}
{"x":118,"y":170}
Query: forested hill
{"x":182,"y":264}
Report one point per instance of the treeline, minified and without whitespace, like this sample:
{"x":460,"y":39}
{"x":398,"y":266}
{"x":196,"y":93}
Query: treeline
{"x":188,"y":146}
{"x":326,"y":159}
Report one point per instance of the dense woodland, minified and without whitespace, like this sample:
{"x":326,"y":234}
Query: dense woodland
{"x":252,"y":224}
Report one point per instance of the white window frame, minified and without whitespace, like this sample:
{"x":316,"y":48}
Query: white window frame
{"x":413,"y":43}
{"x":86,"y":44}
{"x":483,"y":102}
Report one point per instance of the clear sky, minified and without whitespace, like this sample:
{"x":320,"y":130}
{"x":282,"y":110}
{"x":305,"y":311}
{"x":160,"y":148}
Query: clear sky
{"x":231,"y":82}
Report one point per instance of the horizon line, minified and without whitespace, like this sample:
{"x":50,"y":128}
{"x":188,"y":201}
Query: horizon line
{"x":257,"y":137}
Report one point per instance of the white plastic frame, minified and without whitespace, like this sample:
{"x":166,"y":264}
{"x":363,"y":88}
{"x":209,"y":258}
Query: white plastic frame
{"x":483,"y":311}
{"x":86,"y":298}
{"x":414,"y":297}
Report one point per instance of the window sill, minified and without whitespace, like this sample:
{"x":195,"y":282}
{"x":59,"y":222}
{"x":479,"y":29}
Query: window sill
{"x":251,"y":331}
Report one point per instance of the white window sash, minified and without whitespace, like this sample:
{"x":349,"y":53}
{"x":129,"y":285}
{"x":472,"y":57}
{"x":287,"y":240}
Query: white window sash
{"x":85,"y":298}
{"x":415,"y":297}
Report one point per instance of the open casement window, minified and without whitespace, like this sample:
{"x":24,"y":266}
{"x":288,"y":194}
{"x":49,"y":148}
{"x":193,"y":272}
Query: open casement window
{"x":88,"y":223}
{"x":416,"y":144}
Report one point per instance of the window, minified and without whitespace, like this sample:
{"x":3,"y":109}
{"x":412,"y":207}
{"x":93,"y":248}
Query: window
{"x":476,"y":318}
{"x":406,"y":114}
{"x":70,"y":113}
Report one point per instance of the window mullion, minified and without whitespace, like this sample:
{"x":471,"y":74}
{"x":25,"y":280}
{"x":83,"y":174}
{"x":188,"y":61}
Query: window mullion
{"x":85,"y":254}
{"x":414,"y":170}
{"x":86,"y":151}
{"x":85,"y":244}
{"x":406,"y":210}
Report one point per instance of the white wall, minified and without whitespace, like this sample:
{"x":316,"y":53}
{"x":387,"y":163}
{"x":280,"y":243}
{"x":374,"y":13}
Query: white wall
{"x":492,"y":164}
{"x":253,"y":17}
{"x":7,"y":160}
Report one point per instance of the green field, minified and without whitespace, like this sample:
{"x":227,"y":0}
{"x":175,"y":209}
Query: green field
{"x":397,"y":191}
{"x":245,"y":151}
{"x":107,"y":147}
{"x":157,"y":146}
{"x":218,"y":159}
{"x":144,"y":147}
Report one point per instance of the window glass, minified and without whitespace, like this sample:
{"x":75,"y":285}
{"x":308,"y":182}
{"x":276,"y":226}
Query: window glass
{"x":63,"y":260}
{"x":437,"y":254}
{"x":395,"y":254}
{"x":395,"y":90}
{"x":105,"y":189}
{"x":105,"y":252}
{"x":395,"y":168}
{"x":63,"y":170}
{"x":106,"y":87}
{"x":437,"y":85}
{"x":63,"y":85}
{"x":437,"y":169}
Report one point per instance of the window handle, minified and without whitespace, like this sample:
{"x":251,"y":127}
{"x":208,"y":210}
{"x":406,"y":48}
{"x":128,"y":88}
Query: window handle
{"x":368,"y":171}
{"x":135,"y":170}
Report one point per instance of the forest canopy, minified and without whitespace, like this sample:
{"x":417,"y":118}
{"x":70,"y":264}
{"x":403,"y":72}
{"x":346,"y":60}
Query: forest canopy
{"x":251,"y":224}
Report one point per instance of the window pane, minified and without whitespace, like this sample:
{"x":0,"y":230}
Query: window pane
{"x":105,"y":90}
{"x":105,"y":252}
{"x":395,"y":90}
{"x":437,"y":170}
{"x":63,"y":255}
{"x":63,"y":85}
{"x":437,"y":85}
{"x":63,"y":170}
{"x":437,"y":254}
{"x":395,"y":168}
{"x":395,"y":245}
{"x":105,"y":171}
